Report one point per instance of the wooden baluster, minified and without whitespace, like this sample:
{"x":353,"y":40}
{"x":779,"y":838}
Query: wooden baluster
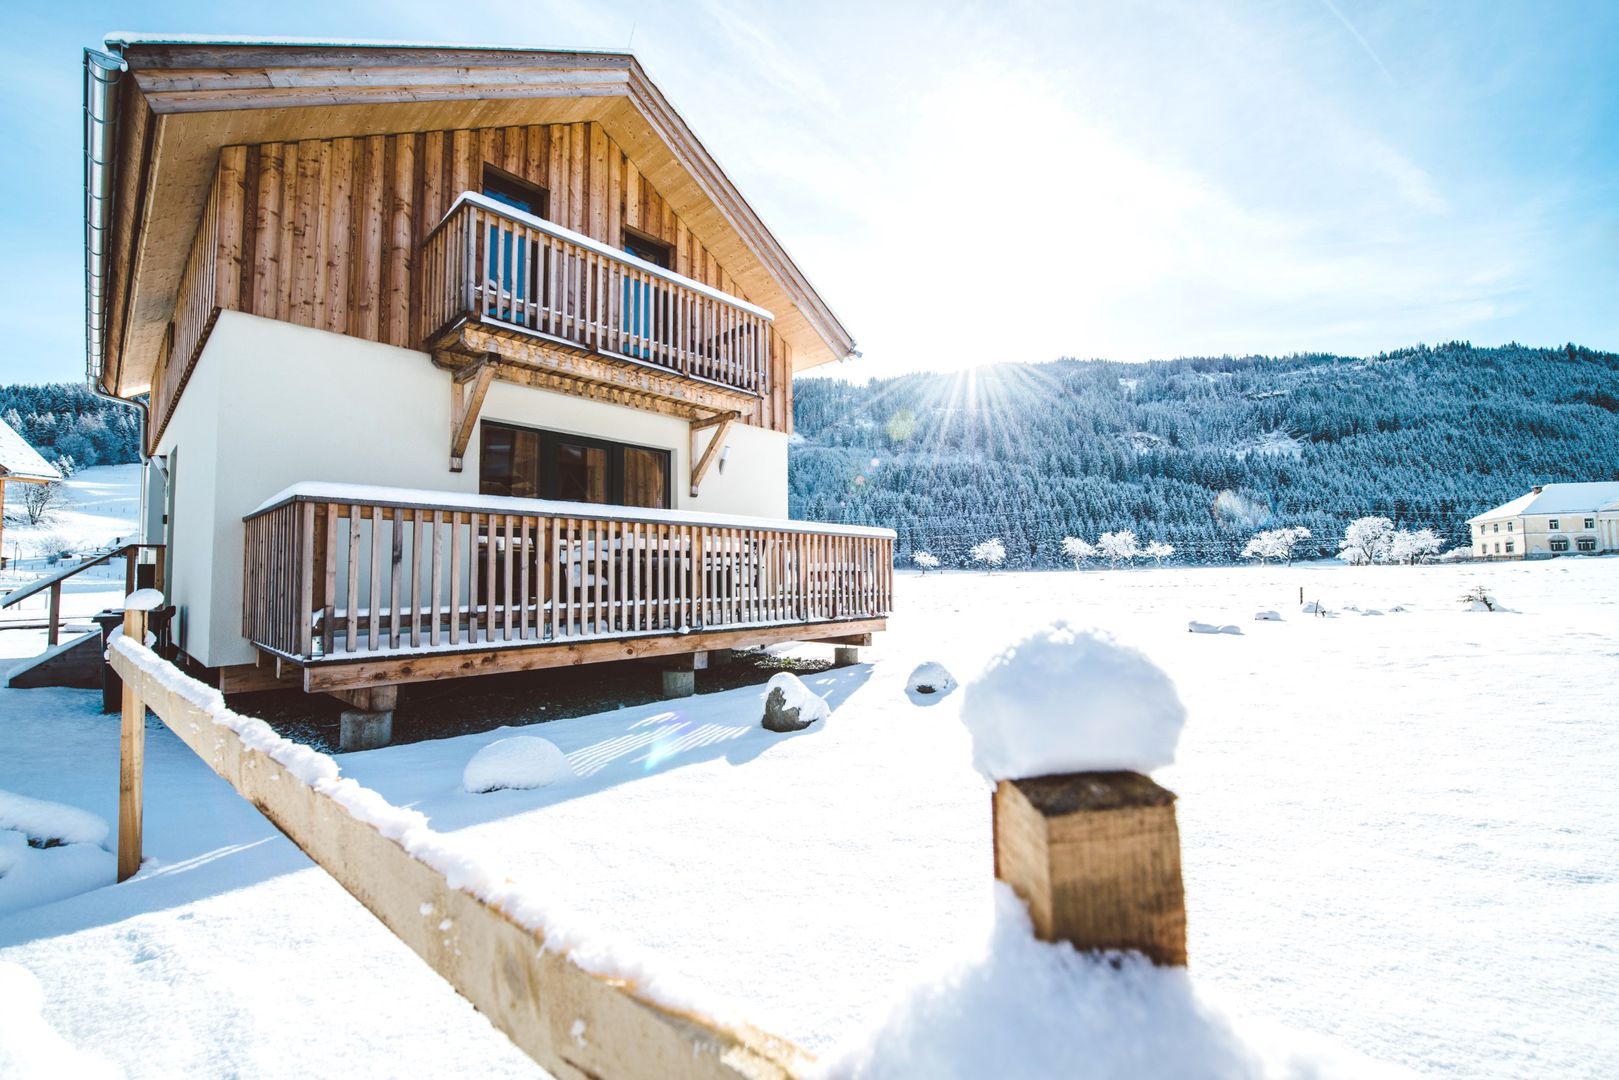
{"x":351,"y":623}
{"x":472,"y":579}
{"x":328,"y":617}
{"x":437,"y":575}
{"x":455,"y":579}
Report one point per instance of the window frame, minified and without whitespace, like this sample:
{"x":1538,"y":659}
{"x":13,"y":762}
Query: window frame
{"x":665,"y":250}
{"x":496,"y":177}
{"x":550,"y":439}
{"x":1552,"y":524}
{"x":1590,"y":523}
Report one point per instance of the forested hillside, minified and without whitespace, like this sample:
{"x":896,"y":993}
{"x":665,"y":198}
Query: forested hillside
{"x":1200,"y":452}
{"x":65,"y":420}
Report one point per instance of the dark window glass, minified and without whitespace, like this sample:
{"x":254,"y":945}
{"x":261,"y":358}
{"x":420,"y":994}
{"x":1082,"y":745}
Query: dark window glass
{"x":581,"y":473}
{"x":649,"y":250}
{"x":518,"y":194}
{"x":542,"y":464}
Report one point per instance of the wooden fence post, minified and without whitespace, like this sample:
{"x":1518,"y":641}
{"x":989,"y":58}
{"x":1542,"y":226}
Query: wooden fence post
{"x":131,"y":761}
{"x":53,"y":634}
{"x":1096,"y":856}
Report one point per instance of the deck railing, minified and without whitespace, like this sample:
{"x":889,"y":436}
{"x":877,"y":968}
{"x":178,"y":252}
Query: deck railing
{"x":492,"y":264}
{"x":334,"y":577}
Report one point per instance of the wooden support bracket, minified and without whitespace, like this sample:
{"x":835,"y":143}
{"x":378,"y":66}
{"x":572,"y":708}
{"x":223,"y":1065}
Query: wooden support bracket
{"x":721,"y":423}
{"x":467,"y":391}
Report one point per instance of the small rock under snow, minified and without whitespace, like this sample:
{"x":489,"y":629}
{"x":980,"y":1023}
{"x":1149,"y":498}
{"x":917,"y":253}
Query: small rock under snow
{"x":929,"y":682}
{"x":522,"y":761}
{"x":790,"y":705}
{"x":1064,"y":700}
{"x":1196,"y":627}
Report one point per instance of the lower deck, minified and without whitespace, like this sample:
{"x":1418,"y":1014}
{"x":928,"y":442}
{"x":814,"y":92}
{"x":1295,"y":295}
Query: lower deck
{"x":347,"y":589}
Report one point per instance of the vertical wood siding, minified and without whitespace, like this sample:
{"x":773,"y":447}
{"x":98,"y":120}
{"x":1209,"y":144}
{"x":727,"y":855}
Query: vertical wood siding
{"x":325,"y":233}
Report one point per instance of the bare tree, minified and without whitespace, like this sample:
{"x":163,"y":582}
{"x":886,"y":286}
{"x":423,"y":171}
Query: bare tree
{"x":40,"y":501}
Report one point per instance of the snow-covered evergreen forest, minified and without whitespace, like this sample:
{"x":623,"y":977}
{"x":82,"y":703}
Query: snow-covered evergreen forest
{"x":65,"y":420}
{"x":1200,"y":452}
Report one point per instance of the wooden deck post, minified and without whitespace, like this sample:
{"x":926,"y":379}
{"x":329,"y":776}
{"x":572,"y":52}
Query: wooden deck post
{"x":131,"y":762}
{"x":53,"y":634}
{"x":1096,"y":856}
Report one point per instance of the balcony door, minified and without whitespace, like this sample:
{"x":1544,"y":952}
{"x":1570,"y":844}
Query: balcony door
{"x":535,"y":464}
{"x":640,"y":296}
{"x":514,"y":264}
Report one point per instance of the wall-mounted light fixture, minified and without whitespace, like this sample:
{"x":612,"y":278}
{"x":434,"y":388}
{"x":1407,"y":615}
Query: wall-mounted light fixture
{"x":725,"y":452}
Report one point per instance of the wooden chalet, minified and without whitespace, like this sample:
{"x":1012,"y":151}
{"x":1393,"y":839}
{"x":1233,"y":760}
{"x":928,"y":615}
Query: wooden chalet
{"x":455,"y":361}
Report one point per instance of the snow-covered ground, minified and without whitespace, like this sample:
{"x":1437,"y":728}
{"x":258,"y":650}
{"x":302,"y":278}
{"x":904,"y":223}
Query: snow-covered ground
{"x":99,"y":507}
{"x":1398,"y":833}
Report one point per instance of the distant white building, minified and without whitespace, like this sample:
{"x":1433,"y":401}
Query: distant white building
{"x":1552,"y":519}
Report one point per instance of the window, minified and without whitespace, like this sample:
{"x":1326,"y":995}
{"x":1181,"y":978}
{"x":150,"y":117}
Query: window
{"x":1587,"y":543}
{"x":1559,"y":543}
{"x":645,"y":248}
{"x":1496,"y":526}
{"x":1552,"y":525}
{"x":1498,"y":547}
{"x":1509,"y":547}
{"x":1509,"y":526}
{"x":1590,"y":523}
{"x":534,"y":464}
{"x":515,"y":192}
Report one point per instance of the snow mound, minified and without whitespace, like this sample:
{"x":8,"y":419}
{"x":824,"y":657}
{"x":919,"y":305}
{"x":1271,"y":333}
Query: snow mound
{"x":1312,"y":607}
{"x":29,"y":1046}
{"x":522,"y":761}
{"x":44,"y":821}
{"x":1267,"y":616}
{"x":1022,"y":1007}
{"x":1064,"y":700}
{"x":790,"y":705}
{"x":143,"y":600}
{"x":929,"y":682}
{"x":1195,"y":627}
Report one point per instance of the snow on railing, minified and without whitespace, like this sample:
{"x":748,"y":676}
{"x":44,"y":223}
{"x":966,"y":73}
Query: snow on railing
{"x":539,"y":975}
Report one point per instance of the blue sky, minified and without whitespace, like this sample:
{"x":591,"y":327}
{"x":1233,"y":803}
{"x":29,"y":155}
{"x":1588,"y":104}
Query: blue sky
{"x":981,"y":182}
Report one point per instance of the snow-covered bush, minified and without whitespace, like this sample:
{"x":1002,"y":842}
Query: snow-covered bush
{"x":522,"y":761}
{"x":1275,"y":544}
{"x":51,"y":547}
{"x":990,"y":552}
{"x":1415,"y":546}
{"x":1077,"y":550}
{"x":925,"y":561}
{"x":1476,"y":599}
{"x":1195,"y":627}
{"x":790,"y":705}
{"x":1367,"y":540}
{"x":930,"y":679}
{"x":1117,"y":547}
{"x":1267,"y":616}
{"x":1065,"y":700}
{"x":1158,"y":551}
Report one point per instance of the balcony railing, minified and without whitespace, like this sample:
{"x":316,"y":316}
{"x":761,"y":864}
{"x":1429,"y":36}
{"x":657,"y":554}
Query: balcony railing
{"x":489,"y":263}
{"x":335,"y":576}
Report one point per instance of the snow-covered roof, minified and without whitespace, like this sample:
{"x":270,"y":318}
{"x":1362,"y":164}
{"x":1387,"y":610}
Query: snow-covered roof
{"x":19,"y":461}
{"x":1558,"y":499}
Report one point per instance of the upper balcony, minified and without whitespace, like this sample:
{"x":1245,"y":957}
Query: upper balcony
{"x":583,"y":317}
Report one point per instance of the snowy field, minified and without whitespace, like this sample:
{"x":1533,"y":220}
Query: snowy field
{"x":98,"y":508}
{"x":1397,"y":819}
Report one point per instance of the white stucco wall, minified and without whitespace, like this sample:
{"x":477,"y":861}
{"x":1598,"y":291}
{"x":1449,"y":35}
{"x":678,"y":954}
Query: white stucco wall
{"x":271,"y":404}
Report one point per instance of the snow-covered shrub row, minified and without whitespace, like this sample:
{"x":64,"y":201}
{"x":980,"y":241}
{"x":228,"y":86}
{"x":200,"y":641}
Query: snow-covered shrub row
{"x":1067,"y":700}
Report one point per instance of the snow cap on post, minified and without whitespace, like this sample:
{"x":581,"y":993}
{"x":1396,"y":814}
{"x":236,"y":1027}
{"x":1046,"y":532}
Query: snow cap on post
{"x":1065,"y":700}
{"x":143,"y":600}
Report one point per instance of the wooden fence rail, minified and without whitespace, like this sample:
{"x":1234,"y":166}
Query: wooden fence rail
{"x":528,"y":988}
{"x":327,"y":578}
{"x":489,"y":263}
